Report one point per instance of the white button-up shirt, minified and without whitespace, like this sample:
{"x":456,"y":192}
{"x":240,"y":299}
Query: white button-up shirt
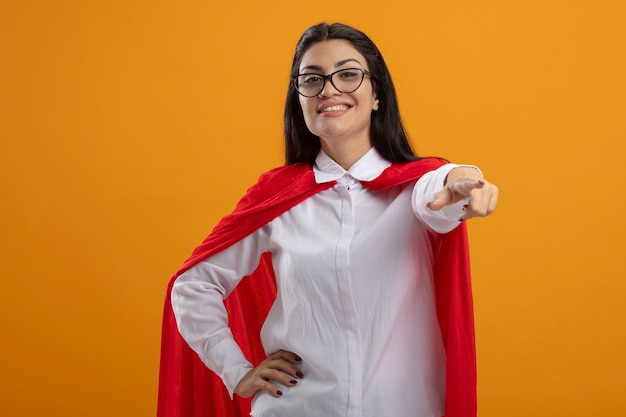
{"x":355,"y":298}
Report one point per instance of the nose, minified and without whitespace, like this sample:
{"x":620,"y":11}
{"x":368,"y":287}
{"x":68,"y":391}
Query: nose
{"x":328,"y":89}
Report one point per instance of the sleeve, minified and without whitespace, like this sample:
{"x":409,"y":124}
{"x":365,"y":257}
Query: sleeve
{"x":425,"y":191}
{"x":198,"y":304}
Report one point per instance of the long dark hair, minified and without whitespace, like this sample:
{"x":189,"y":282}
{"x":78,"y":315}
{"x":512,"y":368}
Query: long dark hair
{"x":387,"y":132}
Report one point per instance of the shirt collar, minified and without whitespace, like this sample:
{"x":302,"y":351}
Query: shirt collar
{"x":367,"y":168}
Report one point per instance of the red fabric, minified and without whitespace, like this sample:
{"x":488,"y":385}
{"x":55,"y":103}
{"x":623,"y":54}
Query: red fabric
{"x":188,"y":389}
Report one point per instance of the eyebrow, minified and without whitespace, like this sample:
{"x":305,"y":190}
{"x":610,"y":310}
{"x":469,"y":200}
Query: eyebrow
{"x":338,"y":64}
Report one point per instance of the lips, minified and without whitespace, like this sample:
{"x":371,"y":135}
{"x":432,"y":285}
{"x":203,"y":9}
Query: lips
{"x":334,"y":108}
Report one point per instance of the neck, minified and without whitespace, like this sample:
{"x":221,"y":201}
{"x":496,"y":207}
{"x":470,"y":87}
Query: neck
{"x":344,"y":152}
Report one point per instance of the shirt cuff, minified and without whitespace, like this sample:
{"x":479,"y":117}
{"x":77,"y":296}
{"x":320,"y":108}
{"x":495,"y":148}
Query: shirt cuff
{"x":229,"y":363}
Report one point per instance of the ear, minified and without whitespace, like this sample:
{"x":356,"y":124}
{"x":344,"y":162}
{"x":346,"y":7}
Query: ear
{"x":375,"y":105}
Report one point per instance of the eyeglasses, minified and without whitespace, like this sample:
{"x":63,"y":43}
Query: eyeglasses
{"x":345,"y":80}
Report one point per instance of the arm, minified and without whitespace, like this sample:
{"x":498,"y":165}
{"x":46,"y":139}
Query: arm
{"x":197,"y":302}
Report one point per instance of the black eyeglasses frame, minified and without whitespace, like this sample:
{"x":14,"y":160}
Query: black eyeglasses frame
{"x":329,"y":77}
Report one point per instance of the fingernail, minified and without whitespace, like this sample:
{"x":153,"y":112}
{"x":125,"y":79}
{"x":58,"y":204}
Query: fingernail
{"x":293,"y":381}
{"x":299,"y":374}
{"x":279,"y":393}
{"x":297,"y":358}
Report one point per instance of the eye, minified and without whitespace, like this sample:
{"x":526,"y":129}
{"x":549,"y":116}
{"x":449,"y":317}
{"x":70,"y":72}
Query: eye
{"x":349,"y":74}
{"x":307,"y":79}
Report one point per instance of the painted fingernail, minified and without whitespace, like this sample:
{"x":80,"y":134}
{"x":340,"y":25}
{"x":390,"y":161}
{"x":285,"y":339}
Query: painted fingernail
{"x":299,"y":374}
{"x":293,"y":381}
{"x":279,"y":393}
{"x":297,"y":358}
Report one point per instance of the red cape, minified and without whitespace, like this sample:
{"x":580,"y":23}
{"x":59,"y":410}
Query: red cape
{"x":188,"y":389}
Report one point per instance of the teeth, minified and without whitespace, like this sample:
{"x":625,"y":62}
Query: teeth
{"x":335,"y":108}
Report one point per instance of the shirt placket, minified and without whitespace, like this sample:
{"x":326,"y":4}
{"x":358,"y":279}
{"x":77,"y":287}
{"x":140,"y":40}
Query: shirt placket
{"x":346,"y":295}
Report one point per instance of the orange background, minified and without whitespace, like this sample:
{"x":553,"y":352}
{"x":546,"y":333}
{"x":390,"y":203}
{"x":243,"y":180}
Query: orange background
{"x":129,"y":128}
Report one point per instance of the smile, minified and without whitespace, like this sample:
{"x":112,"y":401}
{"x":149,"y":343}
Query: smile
{"x":340,"y":107}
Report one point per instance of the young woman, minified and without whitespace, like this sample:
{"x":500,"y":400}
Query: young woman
{"x":364,"y":242}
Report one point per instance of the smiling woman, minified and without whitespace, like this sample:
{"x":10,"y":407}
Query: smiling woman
{"x":356,"y":258}
{"x":387,"y":133}
{"x":339,"y":117}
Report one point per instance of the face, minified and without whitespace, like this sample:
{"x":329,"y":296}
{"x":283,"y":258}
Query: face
{"x":338,"y":119}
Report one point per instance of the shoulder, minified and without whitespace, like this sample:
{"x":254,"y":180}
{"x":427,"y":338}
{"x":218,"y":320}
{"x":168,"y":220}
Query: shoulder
{"x":278,"y":181}
{"x":285,"y":173}
{"x":279,"y":178}
{"x":423,"y":164}
{"x":404,"y":172}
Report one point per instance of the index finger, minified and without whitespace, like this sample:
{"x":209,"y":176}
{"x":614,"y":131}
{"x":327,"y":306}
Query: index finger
{"x":465,"y":186}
